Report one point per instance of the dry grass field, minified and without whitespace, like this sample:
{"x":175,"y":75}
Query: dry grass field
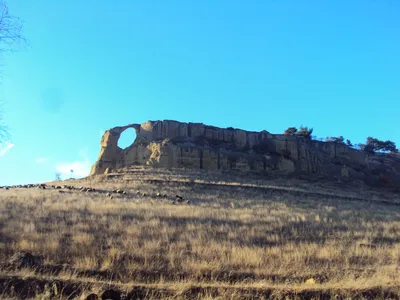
{"x":237,"y":238}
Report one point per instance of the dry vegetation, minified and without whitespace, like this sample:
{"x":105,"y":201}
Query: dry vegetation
{"x":272,"y":239}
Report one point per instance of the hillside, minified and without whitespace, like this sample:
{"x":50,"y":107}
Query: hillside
{"x":173,"y":144}
{"x":229,"y":235}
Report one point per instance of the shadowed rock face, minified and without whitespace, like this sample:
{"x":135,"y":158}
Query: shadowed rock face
{"x":172,"y":144}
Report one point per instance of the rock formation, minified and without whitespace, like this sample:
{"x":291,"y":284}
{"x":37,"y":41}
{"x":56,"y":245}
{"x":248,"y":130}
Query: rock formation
{"x":172,"y":144}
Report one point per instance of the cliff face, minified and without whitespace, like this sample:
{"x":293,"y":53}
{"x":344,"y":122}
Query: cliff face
{"x":172,"y":144}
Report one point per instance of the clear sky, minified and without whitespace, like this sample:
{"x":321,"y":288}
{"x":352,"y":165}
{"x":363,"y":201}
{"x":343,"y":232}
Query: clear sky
{"x":268,"y":64}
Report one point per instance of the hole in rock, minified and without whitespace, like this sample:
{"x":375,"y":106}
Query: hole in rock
{"x":127,"y":138}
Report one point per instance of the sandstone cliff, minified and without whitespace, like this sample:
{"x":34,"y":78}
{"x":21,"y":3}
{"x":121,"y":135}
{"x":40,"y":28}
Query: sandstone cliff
{"x":172,"y":144}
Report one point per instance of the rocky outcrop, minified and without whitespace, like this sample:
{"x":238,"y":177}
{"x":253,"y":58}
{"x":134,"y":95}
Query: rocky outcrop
{"x":172,"y":144}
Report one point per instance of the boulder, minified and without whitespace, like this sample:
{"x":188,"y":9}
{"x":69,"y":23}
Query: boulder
{"x":26,"y":260}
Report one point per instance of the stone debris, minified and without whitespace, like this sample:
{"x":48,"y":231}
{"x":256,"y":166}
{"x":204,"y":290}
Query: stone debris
{"x":62,"y":189}
{"x":179,"y":199}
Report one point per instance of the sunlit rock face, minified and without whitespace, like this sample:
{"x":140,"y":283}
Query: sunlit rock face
{"x":172,"y":144}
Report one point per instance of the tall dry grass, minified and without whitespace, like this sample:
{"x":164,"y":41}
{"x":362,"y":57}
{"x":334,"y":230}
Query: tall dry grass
{"x":228,"y":235}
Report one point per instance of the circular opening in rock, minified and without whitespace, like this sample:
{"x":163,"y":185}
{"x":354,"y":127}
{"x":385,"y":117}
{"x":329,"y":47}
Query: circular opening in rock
{"x":127,"y":138}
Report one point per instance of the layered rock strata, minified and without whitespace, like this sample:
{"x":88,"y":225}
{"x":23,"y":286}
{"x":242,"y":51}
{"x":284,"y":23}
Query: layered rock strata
{"x":172,"y":144}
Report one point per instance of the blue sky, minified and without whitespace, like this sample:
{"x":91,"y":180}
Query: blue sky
{"x":270,"y":64}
